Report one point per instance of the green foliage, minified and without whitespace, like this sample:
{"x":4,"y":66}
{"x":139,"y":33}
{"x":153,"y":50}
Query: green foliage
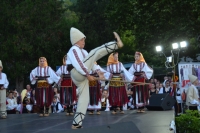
{"x":33,"y":28}
{"x":157,"y":22}
{"x":188,"y":122}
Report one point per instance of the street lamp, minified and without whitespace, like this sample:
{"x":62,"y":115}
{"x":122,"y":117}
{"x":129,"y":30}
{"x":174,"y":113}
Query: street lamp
{"x":169,"y":63}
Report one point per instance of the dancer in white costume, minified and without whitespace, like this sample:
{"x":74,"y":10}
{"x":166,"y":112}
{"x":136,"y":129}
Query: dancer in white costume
{"x":3,"y":86}
{"x":44,"y":76}
{"x":67,"y":89}
{"x":81,"y":64}
{"x":95,"y":91}
{"x":141,"y":72}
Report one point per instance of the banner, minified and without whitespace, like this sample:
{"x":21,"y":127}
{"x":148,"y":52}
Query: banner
{"x":185,"y":69}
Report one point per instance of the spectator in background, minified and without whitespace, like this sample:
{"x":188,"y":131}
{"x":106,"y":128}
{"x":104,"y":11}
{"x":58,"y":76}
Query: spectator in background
{"x":166,"y":89}
{"x":170,"y":79}
{"x":171,"y":84}
{"x":192,"y":99}
{"x":151,"y":80}
{"x":165,"y":79}
{"x":152,"y":90}
{"x":104,"y":101}
{"x":130,"y":97}
{"x":155,"y":80}
{"x":12,"y":104}
{"x":56,"y":93}
{"x":178,"y":108}
{"x":56,"y":107}
{"x":15,"y":95}
{"x":158,"y":87}
{"x":17,"y":100}
{"x":27,"y":104}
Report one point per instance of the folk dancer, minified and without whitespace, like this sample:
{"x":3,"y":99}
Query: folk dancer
{"x":81,"y":63}
{"x":3,"y":86}
{"x":44,"y":77}
{"x":141,"y":72}
{"x":117,"y":90}
{"x":95,"y":91}
{"x":67,"y":89}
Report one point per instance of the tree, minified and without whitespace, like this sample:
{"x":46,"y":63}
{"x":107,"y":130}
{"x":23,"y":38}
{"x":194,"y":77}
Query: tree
{"x":158,"y":22}
{"x":31,"y":29}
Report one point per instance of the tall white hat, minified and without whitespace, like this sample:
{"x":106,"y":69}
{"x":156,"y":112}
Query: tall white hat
{"x":1,"y":64}
{"x":76,"y":35}
{"x":192,"y":78}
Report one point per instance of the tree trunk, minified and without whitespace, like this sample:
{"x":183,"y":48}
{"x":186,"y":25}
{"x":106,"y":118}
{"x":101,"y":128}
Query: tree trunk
{"x":19,"y":84}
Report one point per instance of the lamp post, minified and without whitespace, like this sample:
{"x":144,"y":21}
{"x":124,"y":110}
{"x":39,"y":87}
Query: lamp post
{"x":170,"y":60}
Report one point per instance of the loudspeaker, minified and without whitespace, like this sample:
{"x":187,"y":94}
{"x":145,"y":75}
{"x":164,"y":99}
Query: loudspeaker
{"x":161,"y":102}
{"x":124,"y":127}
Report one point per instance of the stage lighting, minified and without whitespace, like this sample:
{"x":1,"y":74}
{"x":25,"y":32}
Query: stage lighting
{"x":158,"y":48}
{"x":175,"y":45}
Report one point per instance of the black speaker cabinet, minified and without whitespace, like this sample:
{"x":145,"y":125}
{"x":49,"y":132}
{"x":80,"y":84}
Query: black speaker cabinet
{"x":161,"y":102}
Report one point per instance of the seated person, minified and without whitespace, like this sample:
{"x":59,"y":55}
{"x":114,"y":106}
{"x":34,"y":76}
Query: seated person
{"x":105,"y":106}
{"x":28,"y":103}
{"x":12,"y":106}
{"x":56,"y":107}
{"x":16,"y":97}
{"x":166,"y":89}
{"x":130,"y":97}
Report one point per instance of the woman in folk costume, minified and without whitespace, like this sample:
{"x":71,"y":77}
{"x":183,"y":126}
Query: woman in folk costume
{"x":44,"y":76}
{"x":117,"y":90}
{"x":95,"y":90}
{"x":192,"y":100}
{"x":80,"y":63}
{"x":3,"y":86}
{"x":141,"y":72}
{"x":67,"y":89}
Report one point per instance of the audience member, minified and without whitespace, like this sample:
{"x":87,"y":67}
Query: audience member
{"x":166,"y":89}
{"x":152,"y":89}
{"x":104,"y":101}
{"x":56,"y":107}
{"x":12,"y":105}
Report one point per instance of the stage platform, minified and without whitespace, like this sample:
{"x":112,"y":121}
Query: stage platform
{"x":148,"y":122}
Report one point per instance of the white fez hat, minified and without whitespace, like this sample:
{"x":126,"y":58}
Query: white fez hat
{"x":192,"y":78}
{"x":76,"y":35}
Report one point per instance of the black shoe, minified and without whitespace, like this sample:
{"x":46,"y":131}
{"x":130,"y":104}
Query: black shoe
{"x":76,"y":126}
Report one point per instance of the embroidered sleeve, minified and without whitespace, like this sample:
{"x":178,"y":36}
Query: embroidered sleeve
{"x":148,"y":71}
{"x":131,"y":69}
{"x":128,"y":76}
{"x":79,"y":64}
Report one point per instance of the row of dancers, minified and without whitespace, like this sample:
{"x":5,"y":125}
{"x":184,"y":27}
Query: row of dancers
{"x":80,"y":71}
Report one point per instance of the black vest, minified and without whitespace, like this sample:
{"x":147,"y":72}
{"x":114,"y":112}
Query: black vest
{"x":56,"y":107}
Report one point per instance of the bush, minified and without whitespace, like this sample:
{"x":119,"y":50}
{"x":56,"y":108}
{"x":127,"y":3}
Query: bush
{"x":188,"y":122}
